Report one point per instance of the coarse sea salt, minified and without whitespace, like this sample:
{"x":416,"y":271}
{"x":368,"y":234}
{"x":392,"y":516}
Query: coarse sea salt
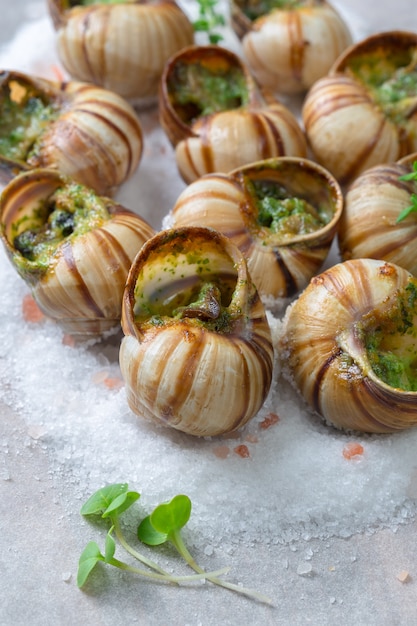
{"x":292,"y":481}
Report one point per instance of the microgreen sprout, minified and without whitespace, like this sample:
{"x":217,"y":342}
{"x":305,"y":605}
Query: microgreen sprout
{"x":163,"y":525}
{"x":412,"y":208}
{"x":208,"y":20}
{"x":109,"y":502}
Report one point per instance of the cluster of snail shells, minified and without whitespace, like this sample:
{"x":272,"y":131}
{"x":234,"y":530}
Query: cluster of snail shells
{"x":306,"y":38}
{"x":80,"y":285}
{"x":221,"y":141}
{"x":94,"y":135}
{"x":197,"y":354}
{"x":122,"y":47}
{"x":348,"y":128}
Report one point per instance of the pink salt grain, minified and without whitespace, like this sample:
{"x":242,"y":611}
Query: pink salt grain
{"x":242,"y":451}
{"x":352,"y":450}
{"x":269,"y":420}
{"x":31,"y":311}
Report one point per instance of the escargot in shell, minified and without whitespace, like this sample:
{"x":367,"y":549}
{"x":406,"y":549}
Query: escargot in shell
{"x":88,"y":133}
{"x":364,"y":112}
{"x":376,"y":222}
{"x":281,"y":213}
{"x":72,"y":247}
{"x":216,"y":117}
{"x":289,"y":44}
{"x":197,"y":353}
{"x":121,"y":46}
{"x":350,"y":346}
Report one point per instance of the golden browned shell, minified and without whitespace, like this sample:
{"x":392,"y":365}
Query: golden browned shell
{"x":73,"y":248}
{"x":121,"y":46}
{"x":85,"y":132}
{"x":291,"y":46}
{"x":365,"y":111}
{"x":216,"y":117}
{"x":282,"y":253}
{"x":369,"y":226}
{"x":197,"y":353}
{"x":349,"y":345}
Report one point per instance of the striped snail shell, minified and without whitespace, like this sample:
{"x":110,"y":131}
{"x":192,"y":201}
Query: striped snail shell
{"x":370,"y":225}
{"x":349,"y":346}
{"x":306,"y":37}
{"x":88,"y":133}
{"x":197,"y":353}
{"x":122,"y":47}
{"x":364,"y":112}
{"x":217,"y":118}
{"x":73,"y":248}
{"x":260,"y":208}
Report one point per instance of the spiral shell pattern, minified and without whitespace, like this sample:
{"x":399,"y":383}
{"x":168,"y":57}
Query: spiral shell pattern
{"x":306,"y":40}
{"x":82,"y":286}
{"x":121,"y":47}
{"x":369,"y":227}
{"x":278,"y":269}
{"x":228,"y":140}
{"x":324,"y":350}
{"x":350,"y":123}
{"x":191,"y":371}
{"x":95,"y":136}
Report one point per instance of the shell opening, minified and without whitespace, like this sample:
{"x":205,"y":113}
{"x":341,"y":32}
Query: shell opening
{"x":46,"y":212}
{"x":209,"y":85}
{"x":288,"y":201}
{"x":188,"y":279}
{"x":388,"y":338}
{"x":253,"y":9}
{"x":25,"y":113}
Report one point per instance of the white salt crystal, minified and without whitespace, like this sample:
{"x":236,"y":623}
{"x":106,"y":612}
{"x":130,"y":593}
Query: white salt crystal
{"x":304,"y":569}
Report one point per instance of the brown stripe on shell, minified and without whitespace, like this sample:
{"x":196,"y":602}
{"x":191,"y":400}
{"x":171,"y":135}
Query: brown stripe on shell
{"x":182,"y":390}
{"x":357,"y":165}
{"x":297,"y":43}
{"x":113,"y":112}
{"x":82,"y":288}
{"x":388,"y":400}
{"x":290,"y":282}
{"x":264,"y":123}
{"x":334,"y":100}
{"x":319,"y":376}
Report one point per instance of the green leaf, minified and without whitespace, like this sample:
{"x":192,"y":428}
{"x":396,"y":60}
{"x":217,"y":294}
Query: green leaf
{"x":412,"y":175}
{"x":108,"y":500}
{"x":171,"y":516}
{"x":121,"y":503}
{"x":101,"y":499}
{"x":89,"y":558}
{"x":110,"y":546}
{"x":149,"y":535}
{"x":412,"y":208}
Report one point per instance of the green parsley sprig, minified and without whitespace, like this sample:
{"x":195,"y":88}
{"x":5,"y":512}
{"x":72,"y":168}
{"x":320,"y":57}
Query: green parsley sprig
{"x":412,"y":208}
{"x":208,"y":20}
{"x":163,"y":525}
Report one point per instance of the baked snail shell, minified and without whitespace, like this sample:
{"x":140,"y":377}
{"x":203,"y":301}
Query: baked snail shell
{"x":364,"y":112}
{"x":77,"y":278}
{"x":369,"y":226}
{"x":306,"y":38}
{"x":122,"y":47}
{"x":197,"y":353}
{"x":330,"y":336}
{"x":280,"y":260}
{"x":250,"y":126}
{"x":88,"y":133}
